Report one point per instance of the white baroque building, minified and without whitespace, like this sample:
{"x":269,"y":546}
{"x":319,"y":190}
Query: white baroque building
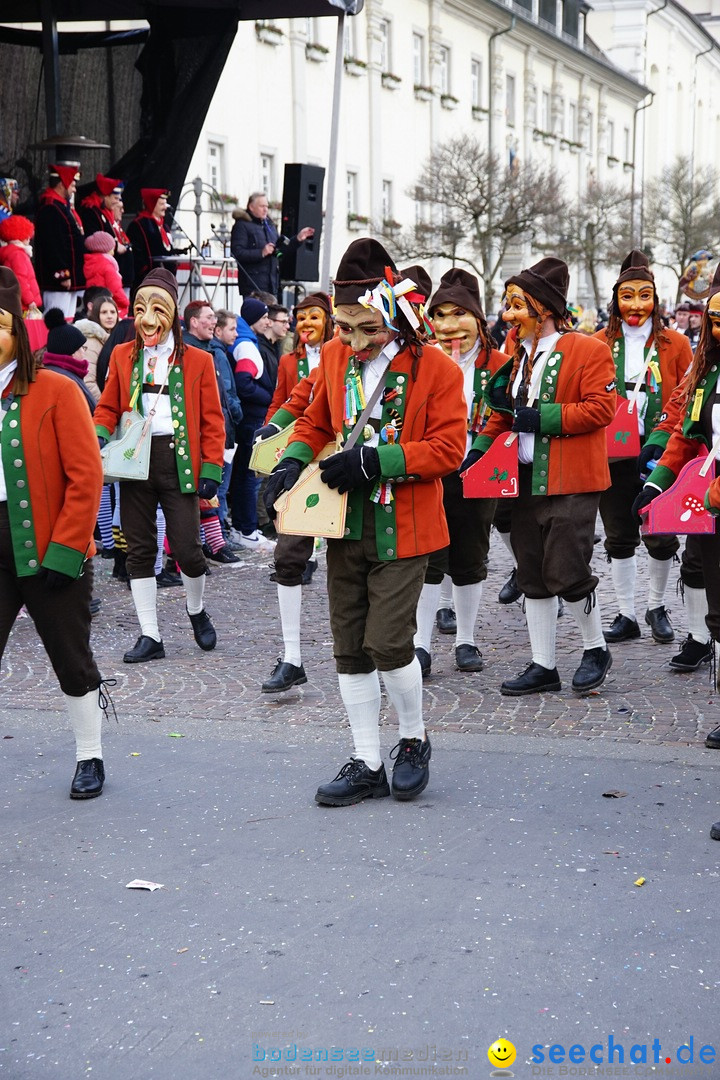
{"x":522,"y":76}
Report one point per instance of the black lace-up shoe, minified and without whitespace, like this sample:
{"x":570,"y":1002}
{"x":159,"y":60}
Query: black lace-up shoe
{"x":145,"y":648}
{"x":424,"y":660}
{"x":203,"y":630}
{"x":352,"y":784}
{"x":594,"y":666}
{"x":692,"y":654}
{"x":309,"y":571}
{"x":446,"y":620}
{"x":468,"y":658}
{"x":715,"y":831}
{"x":533,"y":680}
{"x":510,"y":592}
{"x":622,"y":629}
{"x":712,"y":739}
{"x":659,"y":624}
{"x":283,"y":677}
{"x":88,"y":780}
{"x":411,"y":770}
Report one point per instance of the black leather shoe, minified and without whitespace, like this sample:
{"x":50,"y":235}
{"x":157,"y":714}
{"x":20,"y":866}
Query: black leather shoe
{"x":119,"y":570}
{"x":425,"y":663}
{"x":145,"y":648}
{"x":533,"y":680}
{"x":622,"y":629}
{"x":659,"y":624}
{"x":468,"y":658}
{"x":309,"y":571}
{"x":352,"y":784}
{"x":715,"y":831}
{"x":594,"y":666}
{"x":692,"y":654}
{"x":203,"y":630}
{"x":166,"y":579}
{"x":446,"y":621}
{"x":283,"y":677}
{"x":411,"y":770}
{"x":712,"y":739}
{"x":88,"y":779}
{"x":510,"y":592}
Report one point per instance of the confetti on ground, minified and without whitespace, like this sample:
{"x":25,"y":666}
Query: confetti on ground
{"x":135,"y":753}
{"x":614,"y":794}
{"x":138,"y":883}
{"x":640,"y":881}
{"x":175,"y":735}
{"x":267,"y":1002}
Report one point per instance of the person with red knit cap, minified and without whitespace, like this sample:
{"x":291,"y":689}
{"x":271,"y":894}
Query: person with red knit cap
{"x":101,"y":268}
{"x":148,"y":235}
{"x":101,"y":211}
{"x":16,"y":233}
{"x":59,"y":241}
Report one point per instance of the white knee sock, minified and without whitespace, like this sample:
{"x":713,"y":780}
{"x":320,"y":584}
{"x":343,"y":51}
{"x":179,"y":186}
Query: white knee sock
{"x":697,"y":608}
{"x":144,"y":594}
{"x":361,"y":698}
{"x":505,"y":537}
{"x":86,"y":718}
{"x":467,"y":604}
{"x":623,"y":575}
{"x":427,"y":606}
{"x":290,"y":603}
{"x":659,"y":574}
{"x":404,"y":688}
{"x":588,"y":621}
{"x":194,"y":592}
{"x":541,"y":618}
{"x":446,"y":593}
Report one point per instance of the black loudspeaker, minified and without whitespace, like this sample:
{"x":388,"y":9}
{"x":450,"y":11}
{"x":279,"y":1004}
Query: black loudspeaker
{"x":302,"y":206}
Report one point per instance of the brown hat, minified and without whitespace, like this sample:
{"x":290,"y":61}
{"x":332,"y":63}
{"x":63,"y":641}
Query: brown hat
{"x":420,"y":276}
{"x":362,"y":267}
{"x":547,"y":281}
{"x":10,"y":292}
{"x":636,"y":267}
{"x":315,"y":299}
{"x":459,"y":287}
{"x":162,"y":279}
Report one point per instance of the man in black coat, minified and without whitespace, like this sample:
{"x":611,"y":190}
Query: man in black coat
{"x":255,"y":244}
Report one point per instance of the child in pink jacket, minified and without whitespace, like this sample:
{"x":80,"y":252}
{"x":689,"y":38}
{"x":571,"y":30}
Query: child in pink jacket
{"x":101,"y":268}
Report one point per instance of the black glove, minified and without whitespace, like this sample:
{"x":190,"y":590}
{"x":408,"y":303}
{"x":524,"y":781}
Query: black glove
{"x":526,"y":419}
{"x":645,"y":497}
{"x":282,"y":478}
{"x":266,"y":432}
{"x":102,"y":442}
{"x":470,"y":460}
{"x":350,"y":468}
{"x":207,"y":488}
{"x":647,"y":454}
{"x":53,"y":579}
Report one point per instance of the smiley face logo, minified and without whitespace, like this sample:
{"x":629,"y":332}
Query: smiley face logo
{"x":502,"y":1053}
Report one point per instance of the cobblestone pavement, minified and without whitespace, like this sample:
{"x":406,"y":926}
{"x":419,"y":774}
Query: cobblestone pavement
{"x":643,"y":700}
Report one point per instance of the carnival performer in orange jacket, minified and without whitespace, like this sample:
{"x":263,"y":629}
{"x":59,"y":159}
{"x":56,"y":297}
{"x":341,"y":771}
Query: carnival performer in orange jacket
{"x":558,"y":394}
{"x":50,"y":485}
{"x":415,"y":434}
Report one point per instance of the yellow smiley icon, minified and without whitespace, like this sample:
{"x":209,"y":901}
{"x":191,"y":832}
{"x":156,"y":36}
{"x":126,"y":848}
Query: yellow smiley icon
{"x":501,"y":1053}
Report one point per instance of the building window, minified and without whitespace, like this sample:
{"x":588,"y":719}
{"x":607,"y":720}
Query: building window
{"x":444,"y":69}
{"x":590,"y":132}
{"x":387,"y":200}
{"x":216,"y":165}
{"x":573,"y":125}
{"x":385,"y":45}
{"x":476,"y":83}
{"x":510,"y":100}
{"x":611,"y":138}
{"x":349,"y":43}
{"x":547,"y":12}
{"x":626,"y":143}
{"x":311,"y":31}
{"x":545,"y":120}
{"x":267,"y":169}
{"x":418,"y":43}
{"x":351,"y":188}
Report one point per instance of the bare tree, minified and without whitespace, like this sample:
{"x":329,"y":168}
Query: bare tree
{"x":682,"y":214}
{"x":478,"y":208}
{"x":596,"y":231}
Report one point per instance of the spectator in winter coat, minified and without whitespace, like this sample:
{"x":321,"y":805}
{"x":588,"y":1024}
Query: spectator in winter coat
{"x":16,"y":232}
{"x":255,"y":244}
{"x":101,"y":268}
{"x":9,"y":196}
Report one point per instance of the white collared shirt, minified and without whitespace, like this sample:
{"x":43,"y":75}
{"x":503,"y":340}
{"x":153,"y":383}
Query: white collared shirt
{"x":312,"y":354}
{"x":635,"y":342}
{"x":162,"y":420}
{"x":7,"y":375}
{"x":466,"y":363}
{"x":372,"y":371}
{"x":526,"y":442}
